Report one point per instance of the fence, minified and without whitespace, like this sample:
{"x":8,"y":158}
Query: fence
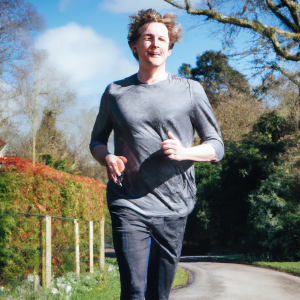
{"x":46,"y":243}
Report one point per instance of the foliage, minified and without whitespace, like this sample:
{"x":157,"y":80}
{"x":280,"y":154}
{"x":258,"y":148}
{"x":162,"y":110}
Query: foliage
{"x":216,"y":76}
{"x":235,"y":107}
{"x":51,"y":145}
{"x":249,"y":203}
{"x":42,"y":190}
{"x":237,"y":115}
{"x":255,"y":16}
{"x":273,"y":34}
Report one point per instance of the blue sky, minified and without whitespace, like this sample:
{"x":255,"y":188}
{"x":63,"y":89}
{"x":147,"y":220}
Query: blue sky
{"x":87,"y":41}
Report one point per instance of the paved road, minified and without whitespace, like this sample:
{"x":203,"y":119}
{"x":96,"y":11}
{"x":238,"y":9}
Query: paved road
{"x":224,"y":281}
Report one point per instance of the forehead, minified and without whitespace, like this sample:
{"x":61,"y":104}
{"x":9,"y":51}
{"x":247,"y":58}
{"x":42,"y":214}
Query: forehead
{"x":154,"y":28}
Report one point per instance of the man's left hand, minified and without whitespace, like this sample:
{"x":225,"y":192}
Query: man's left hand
{"x":173,"y":148}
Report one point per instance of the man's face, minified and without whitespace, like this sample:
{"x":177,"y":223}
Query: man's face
{"x":152,"y":46}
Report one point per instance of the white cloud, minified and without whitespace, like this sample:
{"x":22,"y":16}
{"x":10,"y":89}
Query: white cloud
{"x":128,"y":6}
{"x":86,"y":57}
{"x":63,"y":5}
{"x":131,"y":6}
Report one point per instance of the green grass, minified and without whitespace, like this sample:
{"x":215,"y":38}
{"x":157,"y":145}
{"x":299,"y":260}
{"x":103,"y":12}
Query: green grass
{"x":181,"y":277}
{"x":291,"y":267}
{"x":99,"y":285}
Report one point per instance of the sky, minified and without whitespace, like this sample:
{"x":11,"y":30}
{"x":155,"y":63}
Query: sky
{"x":87,"y":41}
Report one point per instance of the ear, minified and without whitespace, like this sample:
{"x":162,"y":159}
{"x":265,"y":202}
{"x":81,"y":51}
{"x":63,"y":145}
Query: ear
{"x":132,"y":47}
{"x":169,"y":52}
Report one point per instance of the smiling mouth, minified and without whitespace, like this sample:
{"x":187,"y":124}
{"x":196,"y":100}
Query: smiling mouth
{"x":153,"y":53}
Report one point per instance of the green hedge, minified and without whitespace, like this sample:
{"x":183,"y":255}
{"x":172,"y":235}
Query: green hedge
{"x":44,"y":191}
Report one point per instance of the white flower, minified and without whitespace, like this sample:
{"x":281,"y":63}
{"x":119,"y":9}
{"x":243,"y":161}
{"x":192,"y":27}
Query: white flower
{"x":54,"y":291}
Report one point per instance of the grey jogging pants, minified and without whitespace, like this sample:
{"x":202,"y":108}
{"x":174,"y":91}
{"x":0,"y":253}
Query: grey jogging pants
{"x":148,"y":251}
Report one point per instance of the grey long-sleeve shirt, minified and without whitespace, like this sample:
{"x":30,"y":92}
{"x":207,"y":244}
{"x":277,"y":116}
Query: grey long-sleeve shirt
{"x":141,"y":115}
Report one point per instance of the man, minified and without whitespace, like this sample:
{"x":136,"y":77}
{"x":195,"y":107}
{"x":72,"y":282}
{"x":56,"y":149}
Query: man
{"x":153,"y":114}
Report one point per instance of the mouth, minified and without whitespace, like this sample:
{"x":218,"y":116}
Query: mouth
{"x":154,"y":54}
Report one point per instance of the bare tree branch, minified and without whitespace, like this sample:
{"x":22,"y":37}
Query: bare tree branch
{"x":271,"y":33}
{"x":283,"y":18}
{"x":288,"y":75}
{"x":293,"y":8}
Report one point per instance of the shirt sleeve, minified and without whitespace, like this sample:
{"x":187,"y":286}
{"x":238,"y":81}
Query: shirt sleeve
{"x":103,"y":124}
{"x":204,"y":120}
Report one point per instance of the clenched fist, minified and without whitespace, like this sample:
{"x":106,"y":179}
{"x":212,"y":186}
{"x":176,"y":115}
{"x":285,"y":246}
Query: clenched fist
{"x":173,"y":148}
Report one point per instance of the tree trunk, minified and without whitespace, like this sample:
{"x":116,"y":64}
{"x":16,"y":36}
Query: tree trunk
{"x":35,"y":112}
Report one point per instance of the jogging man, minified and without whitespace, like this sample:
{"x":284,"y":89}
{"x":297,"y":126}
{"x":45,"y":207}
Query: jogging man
{"x":153,"y":114}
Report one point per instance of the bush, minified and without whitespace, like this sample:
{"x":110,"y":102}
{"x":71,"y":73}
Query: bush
{"x":42,"y":190}
{"x":249,"y":203}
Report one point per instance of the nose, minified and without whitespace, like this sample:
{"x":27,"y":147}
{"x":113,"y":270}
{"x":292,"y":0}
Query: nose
{"x":155,"y":42}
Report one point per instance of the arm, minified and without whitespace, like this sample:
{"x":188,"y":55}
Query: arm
{"x":201,"y":153}
{"x":100,"y":134}
{"x":204,"y":121}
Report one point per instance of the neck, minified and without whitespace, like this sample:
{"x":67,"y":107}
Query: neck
{"x":153,"y":75}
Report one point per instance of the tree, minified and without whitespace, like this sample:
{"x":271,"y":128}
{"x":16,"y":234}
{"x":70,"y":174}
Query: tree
{"x":284,"y":40}
{"x":36,"y":87}
{"x":237,"y":115}
{"x":229,"y":92}
{"x":249,"y":202}
{"x":51,"y":144}
{"x":17,"y":19}
{"x":216,"y":76}
{"x":274,"y":26}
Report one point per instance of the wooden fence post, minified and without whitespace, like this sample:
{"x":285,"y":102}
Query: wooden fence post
{"x":77,"y":259}
{"x":43,"y":254}
{"x":48,"y":252}
{"x":102,"y":243}
{"x":91,"y":247}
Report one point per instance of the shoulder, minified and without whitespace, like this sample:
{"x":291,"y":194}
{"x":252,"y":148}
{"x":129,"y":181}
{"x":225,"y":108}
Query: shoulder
{"x":194,"y":86}
{"x":121,"y":85}
{"x":179,"y":80}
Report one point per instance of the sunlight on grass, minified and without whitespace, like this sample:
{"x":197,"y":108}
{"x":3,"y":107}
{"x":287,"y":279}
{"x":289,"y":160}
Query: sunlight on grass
{"x":181,"y":277}
{"x":291,"y":267}
{"x":99,"y":285}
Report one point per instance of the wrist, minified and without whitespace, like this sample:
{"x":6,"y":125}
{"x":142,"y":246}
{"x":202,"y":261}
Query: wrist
{"x":186,"y":154}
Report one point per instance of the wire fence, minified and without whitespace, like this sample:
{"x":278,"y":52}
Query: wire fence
{"x":49,"y":246}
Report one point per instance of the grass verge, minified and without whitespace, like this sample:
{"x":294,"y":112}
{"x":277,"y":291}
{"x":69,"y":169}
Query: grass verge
{"x":99,"y":285}
{"x":181,"y":277}
{"x":290,"y":267}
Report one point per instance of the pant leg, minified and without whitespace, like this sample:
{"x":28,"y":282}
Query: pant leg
{"x":166,"y":243}
{"x":131,"y":241}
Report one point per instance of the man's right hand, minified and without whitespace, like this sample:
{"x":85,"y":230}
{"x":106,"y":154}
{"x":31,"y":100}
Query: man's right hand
{"x":115,"y":165}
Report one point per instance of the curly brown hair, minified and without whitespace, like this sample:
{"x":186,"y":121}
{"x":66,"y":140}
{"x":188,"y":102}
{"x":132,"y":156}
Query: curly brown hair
{"x":148,"y":16}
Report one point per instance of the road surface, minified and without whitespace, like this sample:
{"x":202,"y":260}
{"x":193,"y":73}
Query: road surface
{"x":225,"y":281}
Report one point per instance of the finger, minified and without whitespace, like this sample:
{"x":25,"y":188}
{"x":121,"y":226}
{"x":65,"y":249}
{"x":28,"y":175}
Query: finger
{"x":112,"y":174}
{"x":169,"y":151}
{"x":120,"y":165}
{"x":115,"y":169}
{"x":124,"y":159}
{"x":168,"y":146}
{"x":172,"y":142}
{"x":171,"y":136}
{"x":114,"y":177}
{"x":174,"y":157}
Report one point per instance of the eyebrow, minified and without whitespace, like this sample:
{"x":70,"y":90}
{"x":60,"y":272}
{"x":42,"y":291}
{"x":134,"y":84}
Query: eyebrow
{"x":153,"y":35}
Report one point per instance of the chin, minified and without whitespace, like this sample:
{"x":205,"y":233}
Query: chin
{"x":156,"y":62}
